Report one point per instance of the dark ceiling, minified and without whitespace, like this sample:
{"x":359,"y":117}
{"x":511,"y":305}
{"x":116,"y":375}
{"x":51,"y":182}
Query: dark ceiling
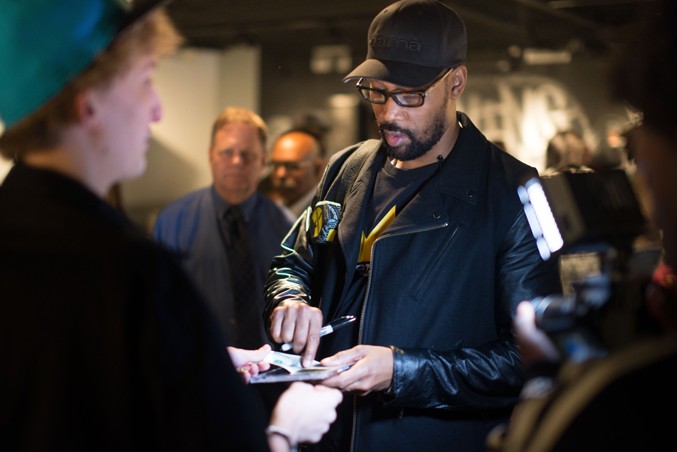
{"x":295,"y":25}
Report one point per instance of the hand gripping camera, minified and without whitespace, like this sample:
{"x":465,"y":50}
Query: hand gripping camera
{"x":584,"y":218}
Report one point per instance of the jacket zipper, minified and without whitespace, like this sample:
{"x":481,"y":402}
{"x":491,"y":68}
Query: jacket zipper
{"x":364,"y":307}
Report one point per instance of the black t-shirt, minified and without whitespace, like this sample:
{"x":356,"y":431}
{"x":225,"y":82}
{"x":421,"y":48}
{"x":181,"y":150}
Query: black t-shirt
{"x":392,"y":191}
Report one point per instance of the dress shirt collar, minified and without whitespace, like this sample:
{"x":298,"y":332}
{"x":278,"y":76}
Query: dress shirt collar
{"x":221,"y":206}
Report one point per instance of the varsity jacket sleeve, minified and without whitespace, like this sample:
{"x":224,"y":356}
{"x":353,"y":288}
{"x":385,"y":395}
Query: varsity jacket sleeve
{"x":484,"y":377}
{"x":292,"y":274}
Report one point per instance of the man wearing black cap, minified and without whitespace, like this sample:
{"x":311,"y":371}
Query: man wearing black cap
{"x":106,"y":345}
{"x":420,"y":235}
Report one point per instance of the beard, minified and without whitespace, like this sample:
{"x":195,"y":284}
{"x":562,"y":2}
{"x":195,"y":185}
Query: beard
{"x":418,"y":146}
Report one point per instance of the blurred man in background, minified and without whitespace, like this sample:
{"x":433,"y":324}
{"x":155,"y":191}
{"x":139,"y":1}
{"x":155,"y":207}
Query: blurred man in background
{"x":297,"y":163}
{"x":195,"y":226}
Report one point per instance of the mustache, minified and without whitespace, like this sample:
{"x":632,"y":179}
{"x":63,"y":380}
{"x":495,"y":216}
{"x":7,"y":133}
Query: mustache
{"x":394,"y":128}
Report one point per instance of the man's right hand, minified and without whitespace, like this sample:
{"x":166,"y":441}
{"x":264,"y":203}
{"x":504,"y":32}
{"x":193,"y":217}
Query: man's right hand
{"x":299,"y":324}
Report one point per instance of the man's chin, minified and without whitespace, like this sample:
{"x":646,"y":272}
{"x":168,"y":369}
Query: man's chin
{"x":398,"y":153}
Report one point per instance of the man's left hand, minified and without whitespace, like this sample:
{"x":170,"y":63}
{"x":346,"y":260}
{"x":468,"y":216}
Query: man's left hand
{"x":371,"y":369}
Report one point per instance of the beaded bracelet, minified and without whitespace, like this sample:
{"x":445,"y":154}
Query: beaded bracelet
{"x":275,"y":430}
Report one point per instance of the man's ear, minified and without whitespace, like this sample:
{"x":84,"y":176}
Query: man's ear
{"x":458,"y":81}
{"x":85,"y":108}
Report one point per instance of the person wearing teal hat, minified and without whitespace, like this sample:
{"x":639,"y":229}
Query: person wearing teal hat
{"x":107,"y":345}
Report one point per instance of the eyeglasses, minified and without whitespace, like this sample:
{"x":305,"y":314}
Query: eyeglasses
{"x":401,"y":98}
{"x":247,"y":157}
{"x":289,"y":166}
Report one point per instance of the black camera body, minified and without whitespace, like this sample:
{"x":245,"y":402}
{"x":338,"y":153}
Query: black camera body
{"x":604,"y":312}
{"x":595,"y":215}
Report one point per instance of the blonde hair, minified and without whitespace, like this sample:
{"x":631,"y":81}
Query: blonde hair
{"x":237,"y":114}
{"x":153,"y":34}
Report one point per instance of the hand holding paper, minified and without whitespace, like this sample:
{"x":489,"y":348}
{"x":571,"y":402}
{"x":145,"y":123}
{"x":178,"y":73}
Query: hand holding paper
{"x":289,"y":368}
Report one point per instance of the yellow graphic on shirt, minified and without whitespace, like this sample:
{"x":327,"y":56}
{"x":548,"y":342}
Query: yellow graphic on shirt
{"x":317,"y":221}
{"x":367,"y":242}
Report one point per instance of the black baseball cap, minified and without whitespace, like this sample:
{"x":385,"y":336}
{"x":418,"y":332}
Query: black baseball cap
{"x":411,"y":42}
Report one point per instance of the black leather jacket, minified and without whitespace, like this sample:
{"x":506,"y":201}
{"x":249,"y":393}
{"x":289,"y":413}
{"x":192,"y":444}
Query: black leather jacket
{"x":444,"y":281}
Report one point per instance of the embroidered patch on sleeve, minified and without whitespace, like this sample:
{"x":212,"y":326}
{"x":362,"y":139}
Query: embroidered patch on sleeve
{"x":324,"y":220}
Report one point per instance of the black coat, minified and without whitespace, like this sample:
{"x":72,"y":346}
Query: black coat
{"x":444,"y":282}
{"x":105,"y":343}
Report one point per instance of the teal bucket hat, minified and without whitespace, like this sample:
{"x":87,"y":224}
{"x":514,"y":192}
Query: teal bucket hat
{"x":46,"y":43}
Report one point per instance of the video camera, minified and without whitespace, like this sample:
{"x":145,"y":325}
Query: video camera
{"x":584,"y":218}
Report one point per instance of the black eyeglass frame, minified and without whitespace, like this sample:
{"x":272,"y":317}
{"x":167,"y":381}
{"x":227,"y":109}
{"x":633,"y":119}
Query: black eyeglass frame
{"x":290,"y":165}
{"x":420,"y":95}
